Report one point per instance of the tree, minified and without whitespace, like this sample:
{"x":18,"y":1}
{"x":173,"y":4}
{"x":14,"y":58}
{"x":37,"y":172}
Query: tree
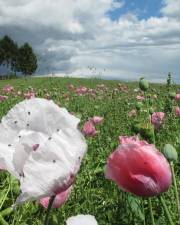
{"x":26,"y":60}
{"x":8,"y":52}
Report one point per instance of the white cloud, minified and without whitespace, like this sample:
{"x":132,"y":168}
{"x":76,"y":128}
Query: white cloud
{"x":70,"y":35}
{"x":171,"y":8}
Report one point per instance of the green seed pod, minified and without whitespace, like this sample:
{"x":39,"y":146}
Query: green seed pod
{"x":151,"y":110}
{"x":170,"y":153}
{"x":143,"y":84}
{"x":139,"y":105}
{"x":147,"y":133}
{"x":172,"y":94}
{"x":136,"y":127}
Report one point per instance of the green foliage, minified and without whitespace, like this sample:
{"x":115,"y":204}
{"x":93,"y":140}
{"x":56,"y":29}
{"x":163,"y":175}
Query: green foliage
{"x":21,"y":59}
{"x":26,"y":60}
{"x":8,"y":52}
{"x":92,"y":193}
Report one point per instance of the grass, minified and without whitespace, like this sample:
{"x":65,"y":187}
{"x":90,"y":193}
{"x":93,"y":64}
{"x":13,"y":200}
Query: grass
{"x":92,"y":193}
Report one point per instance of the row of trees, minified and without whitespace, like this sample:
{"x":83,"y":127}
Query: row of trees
{"x":19,"y":59}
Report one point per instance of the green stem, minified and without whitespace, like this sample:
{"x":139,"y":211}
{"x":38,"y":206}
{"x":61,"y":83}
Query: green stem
{"x":144,"y":221}
{"x":6,"y":212}
{"x":175,"y":187}
{"x":151,"y":212}
{"x":2,"y":221}
{"x":46,"y":222}
{"x":166,"y":210}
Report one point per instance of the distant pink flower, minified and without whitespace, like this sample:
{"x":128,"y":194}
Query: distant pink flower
{"x":89,"y":129}
{"x":139,"y":168}
{"x":157,"y":119}
{"x":8,"y":89}
{"x":97,"y":120}
{"x":59,"y":200}
{"x":133,"y":112}
{"x":177,"y":111}
{"x":140,"y":98}
{"x":81,"y":90}
{"x":29,"y":95}
{"x":3,"y":98}
{"x":177,"y":97}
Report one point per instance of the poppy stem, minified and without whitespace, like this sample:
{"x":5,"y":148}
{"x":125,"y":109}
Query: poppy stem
{"x":151,"y":212}
{"x":166,"y":210}
{"x":46,"y":222}
{"x":175,"y":187}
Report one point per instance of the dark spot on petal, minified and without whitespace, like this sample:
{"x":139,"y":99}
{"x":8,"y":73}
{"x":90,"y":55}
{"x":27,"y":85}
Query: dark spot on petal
{"x":9,"y":145}
{"x":79,"y":157}
{"x":27,"y":124}
{"x":15,"y":122}
{"x":57,"y":130}
{"x":19,"y":136}
{"x":29,"y":113}
{"x":49,"y":138}
{"x":35,"y":147}
{"x":54,"y":161}
{"x":21,"y":174}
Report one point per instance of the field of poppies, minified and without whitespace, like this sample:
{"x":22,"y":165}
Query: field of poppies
{"x":118,"y":159}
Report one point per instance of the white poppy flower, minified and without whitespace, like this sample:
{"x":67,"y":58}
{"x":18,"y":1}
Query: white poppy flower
{"x":82,"y":220}
{"x":41,"y":145}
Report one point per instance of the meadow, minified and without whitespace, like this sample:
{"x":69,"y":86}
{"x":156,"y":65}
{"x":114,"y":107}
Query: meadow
{"x":93,"y":193}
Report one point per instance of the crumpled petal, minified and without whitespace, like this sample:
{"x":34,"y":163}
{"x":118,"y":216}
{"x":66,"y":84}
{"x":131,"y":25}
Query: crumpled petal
{"x":61,"y":146}
{"x":82,"y":220}
{"x":139,"y":168}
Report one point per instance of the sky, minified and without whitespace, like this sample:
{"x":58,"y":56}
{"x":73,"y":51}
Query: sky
{"x":111,"y":39}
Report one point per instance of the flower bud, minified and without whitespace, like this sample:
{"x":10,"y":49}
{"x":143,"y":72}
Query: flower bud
{"x":139,"y":105}
{"x":151,"y":110}
{"x":143,"y":84}
{"x":172,"y":94}
{"x":170,"y":152}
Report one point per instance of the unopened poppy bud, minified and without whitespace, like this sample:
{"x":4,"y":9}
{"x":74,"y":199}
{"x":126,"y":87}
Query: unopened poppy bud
{"x":172,"y":94}
{"x":170,"y":153}
{"x":136,"y":127}
{"x":151,"y":111}
{"x":139,"y":105}
{"x":143,"y":84}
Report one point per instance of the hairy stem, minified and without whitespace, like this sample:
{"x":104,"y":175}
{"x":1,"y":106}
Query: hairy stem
{"x":46,"y":222}
{"x":166,"y":210}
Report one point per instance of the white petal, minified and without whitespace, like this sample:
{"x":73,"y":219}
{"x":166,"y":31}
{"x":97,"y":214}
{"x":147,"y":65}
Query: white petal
{"x":61,"y":147}
{"x":82,"y":220}
{"x":35,"y":114}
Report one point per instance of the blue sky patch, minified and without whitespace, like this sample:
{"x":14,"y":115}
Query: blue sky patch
{"x":144,"y":9}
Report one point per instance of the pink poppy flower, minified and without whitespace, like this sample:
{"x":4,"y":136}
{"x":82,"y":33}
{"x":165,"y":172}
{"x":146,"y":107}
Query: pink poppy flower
{"x":157,"y":119}
{"x":177,"y":97}
{"x":97,"y":120}
{"x":89,"y":129}
{"x":8,"y":89}
{"x":139,"y":168}
{"x":177,"y":111}
{"x":29,"y":95}
{"x":59,"y":200}
{"x":140,"y":98}
{"x":3,"y":98}
{"x":81,"y":90}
